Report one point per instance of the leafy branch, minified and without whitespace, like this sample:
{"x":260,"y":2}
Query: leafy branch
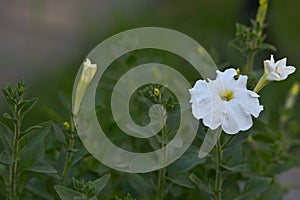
{"x":249,"y":40}
{"x":17,"y":142}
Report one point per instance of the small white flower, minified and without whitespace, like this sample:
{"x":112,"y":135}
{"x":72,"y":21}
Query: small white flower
{"x":277,"y":71}
{"x":225,"y":102}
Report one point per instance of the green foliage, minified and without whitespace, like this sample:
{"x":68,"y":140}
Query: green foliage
{"x":22,"y":151}
{"x":250,"y":39}
{"x":127,"y":197}
{"x":82,"y":189}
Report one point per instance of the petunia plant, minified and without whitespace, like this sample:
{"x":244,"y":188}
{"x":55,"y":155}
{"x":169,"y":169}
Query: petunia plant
{"x":226,"y":104}
{"x":242,"y":142}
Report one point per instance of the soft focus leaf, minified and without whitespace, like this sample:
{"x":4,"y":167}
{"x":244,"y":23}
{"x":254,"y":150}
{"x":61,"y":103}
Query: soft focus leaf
{"x":6,"y":137}
{"x":66,"y":193}
{"x":39,"y":188}
{"x":142,"y":186}
{"x":238,"y":168}
{"x":100,"y":183}
{"x":34,"y":137}
{"x":254,"y":186}
{"x":42,"y":168}
{"x":32,"y":128}
{"x":26,"y":106}
{"x":187,"y":161}
{"x":199,"y":183}
{"x":182,"y":179}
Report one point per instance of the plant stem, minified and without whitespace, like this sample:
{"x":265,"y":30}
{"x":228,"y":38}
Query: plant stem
{"x":162,"y":172}
{"x":249,"y":64}
{"x":69,"y":158}
{"x":261,"y":83}
{"x":13,"y":171}
{"x":160,"y":184}
{"x":219,"y":181}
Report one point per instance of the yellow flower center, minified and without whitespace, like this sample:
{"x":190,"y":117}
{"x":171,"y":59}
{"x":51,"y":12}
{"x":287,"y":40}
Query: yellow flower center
{"x":227,"y":95}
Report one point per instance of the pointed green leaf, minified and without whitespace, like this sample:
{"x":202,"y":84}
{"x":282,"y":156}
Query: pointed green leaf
{"x":27,"y":105}
{"x":9,"y":117}
{"x":254,"y":186}
{"x":66,"y":193}
{"x":100,"y":183}
{"x":42,"y":168}
{"x":187,"y":161}
{"x":6,"y":137}
{"x":5,"y":158}
{"x":238,"y":168}
{"x":266,"y":46}
{"x":198,"y":182}
{"x":32,"y":128}
{"x":182,"y":179}
{"x":40,"y":188}
{"x":141,"y":185}
{"x":34,"y":137}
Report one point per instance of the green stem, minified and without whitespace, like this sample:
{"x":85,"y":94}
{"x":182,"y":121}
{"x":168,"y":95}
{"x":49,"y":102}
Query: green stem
{"x":162,"y":172}
{"x":69,"y":158}
{"x":249,"y":64}
{"x":13,"y":171}
{"x":262,"y":82}
{"x":219,"y":181}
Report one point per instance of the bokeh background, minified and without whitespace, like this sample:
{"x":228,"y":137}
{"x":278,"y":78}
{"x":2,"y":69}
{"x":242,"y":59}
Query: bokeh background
{"x":45,"y":42}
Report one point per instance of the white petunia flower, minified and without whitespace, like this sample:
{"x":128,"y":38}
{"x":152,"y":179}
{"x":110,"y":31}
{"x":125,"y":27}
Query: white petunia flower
{"x":225,"y":102}
{"x":277,"y":71}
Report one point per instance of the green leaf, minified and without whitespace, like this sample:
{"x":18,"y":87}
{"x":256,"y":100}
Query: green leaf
{"x":198,"y":182}
{"x":42,"y":168}
{"x":6,"y":137}
{"x":187,"y":161}
{"x":100,"y":183}
{"x":26,"y":106}
{"x":5,"y":158}
{"x":9,"y":117}
{"x":28,"y":130}
{"x":255,"y":186}
{"x":266,"y":46}
{"x":238,"y":168}
{"x":66,"y":193}
{"x":34,"y":137}
{"x":274,"y":192}
{"x":40,"y":188}
{"x":182,"y":179}
{"x":142,"y":186}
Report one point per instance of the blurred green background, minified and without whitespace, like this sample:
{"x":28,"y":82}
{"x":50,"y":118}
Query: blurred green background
{"x":44,"y":42}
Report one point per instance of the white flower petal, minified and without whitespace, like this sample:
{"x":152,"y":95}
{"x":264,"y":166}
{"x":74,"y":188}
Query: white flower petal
{"x":230,"y":124}
{"x":277,"y":71}
{"x":248,"y":101}
{"x":216,"y":115}
{"x":281,"y":62}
